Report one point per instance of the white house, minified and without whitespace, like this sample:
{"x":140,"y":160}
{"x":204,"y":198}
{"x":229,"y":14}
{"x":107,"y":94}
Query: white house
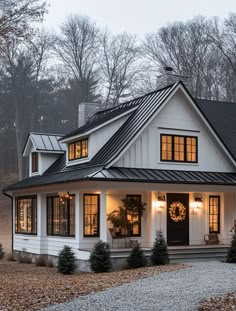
{"x":175,"y":153}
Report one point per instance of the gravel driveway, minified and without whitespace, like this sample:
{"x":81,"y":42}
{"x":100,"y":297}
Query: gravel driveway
{"x":180,"y":290}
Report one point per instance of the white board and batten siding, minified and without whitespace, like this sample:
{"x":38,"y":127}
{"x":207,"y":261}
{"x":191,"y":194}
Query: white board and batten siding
{"x":177,"y":117}
{"x":45,"y":160}
{"x":98,"y":138}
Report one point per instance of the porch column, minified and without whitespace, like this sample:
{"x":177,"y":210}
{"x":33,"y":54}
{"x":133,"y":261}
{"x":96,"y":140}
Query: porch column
{"x":42,"y":223}
{"x":103,"y":216}
{"x":41,"y":215}
{"x":78,"y":220}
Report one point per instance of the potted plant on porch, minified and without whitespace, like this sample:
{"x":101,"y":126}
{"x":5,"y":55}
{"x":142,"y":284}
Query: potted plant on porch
{"x":126,"y":216}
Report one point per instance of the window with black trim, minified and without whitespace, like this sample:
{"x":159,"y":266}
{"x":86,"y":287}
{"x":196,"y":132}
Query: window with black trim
{"x":35,"y":162}
{"x":91,"y":215}
{"x":134,"y":218}
{"x":78,"y":149}
{"x":176,"y":148}
{"x":26,"y":215}
{"x":214,"y":214}
{"x":61,"y":216}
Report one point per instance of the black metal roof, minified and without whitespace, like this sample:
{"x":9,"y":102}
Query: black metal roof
{"x":103,"y":116}
{"x":222,"y":117}
{"x":122,"y":174}
{"x":56,"y":178}
{"x":147,"y":106}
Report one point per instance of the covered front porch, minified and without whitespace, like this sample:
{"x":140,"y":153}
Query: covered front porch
{"x":184,"y":212}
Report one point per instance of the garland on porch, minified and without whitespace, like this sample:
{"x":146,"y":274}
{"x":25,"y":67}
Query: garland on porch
{"x":177,"y":216}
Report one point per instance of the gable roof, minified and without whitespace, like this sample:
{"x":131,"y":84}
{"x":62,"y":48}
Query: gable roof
{"x":219,"y":115}
{"x":102,"y":117}
{"x":45,"y":142}
{"x":147,"y":106}
{"x":222,"y":117}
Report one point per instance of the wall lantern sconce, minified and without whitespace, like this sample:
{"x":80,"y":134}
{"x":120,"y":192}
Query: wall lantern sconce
{"x":198,"y":201}
{"x":160,"y":201}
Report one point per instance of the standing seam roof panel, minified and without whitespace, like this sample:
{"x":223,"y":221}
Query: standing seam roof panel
{"x":131,"y":127}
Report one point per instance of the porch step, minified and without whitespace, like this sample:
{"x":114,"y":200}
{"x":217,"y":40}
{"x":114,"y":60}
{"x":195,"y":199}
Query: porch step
{"x":185,"y":254}
{"x":193,"y":254}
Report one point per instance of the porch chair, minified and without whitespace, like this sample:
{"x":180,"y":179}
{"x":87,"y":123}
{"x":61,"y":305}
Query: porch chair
{"x":114,"y":236}
{"x":211,"y":238}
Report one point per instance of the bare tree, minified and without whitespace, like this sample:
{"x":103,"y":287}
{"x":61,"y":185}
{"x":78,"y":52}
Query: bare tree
{"x":119,"y":56}
{"x":187,"y":48}
{"x":76,"y":46}
{"x":16,"y":18}
{"x":223,"y":35}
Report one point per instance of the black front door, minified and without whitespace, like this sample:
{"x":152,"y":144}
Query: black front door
{"x":177,"y":219}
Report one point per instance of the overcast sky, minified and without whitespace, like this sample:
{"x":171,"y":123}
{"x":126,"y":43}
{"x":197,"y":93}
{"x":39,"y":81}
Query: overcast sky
{"x":136,"y":16}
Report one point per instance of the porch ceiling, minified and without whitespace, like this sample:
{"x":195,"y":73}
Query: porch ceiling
{"x":128,"y":175}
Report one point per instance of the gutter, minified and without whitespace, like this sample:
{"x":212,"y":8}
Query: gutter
{"x":11,"y":197}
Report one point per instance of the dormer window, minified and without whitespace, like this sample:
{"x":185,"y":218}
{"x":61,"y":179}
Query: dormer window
{"x":78,"y":149}
{"x":35,"y":162}
{"x":176,"y":148}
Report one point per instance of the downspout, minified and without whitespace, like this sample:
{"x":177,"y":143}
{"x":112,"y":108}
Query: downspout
{"x":9,"y":196}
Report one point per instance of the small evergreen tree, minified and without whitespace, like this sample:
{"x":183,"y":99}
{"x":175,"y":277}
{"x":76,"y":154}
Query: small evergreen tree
{"x":66,"y":261}
{"x":159,"y":251}
{"x":100,"y":258}
{"x":1,"y":252}
{"x":231,"y":257}
{"x":136,"y":258}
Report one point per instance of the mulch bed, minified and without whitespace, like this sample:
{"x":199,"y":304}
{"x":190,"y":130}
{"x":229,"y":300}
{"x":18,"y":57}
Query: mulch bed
{"x":27,"y":287}
{"x":220,"y":303}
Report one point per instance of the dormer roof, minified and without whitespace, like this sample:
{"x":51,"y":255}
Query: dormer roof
{"x":42,"y":142}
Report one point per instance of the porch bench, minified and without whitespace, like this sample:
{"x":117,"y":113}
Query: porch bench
{"x":211,"y":238}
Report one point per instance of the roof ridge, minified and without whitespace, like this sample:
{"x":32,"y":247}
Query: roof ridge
{"x":137,"y":98}
{"x":48,"y":134}
{"x":215,"y":101}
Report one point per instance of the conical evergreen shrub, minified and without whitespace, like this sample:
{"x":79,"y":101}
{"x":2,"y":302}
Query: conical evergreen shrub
{"x":136,"y":258}
{"x":1,"y":252}
{"x":231,"y":257}
{"x":100,"y":257}
{"x":159,"y":251}
{"x":66,"y":261}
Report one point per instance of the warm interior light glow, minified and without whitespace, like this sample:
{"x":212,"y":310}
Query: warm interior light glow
{"x":198,"y":201}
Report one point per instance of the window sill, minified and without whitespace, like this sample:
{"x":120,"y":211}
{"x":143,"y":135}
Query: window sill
{"x":61,"y":236}
{"x":77,"y":161}
{"x":26,"y":234}
{"x":178,"y":163}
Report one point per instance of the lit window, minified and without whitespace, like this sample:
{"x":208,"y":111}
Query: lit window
{"x":26,"y":215}
{"x":78,"y":149}
{"x":214,"y":214}
{"x":61,"y":215}
{"x":134,"y":217}
{"x":35,"y":162}
{"x":178,"y":148}
{"x":91,"y":215}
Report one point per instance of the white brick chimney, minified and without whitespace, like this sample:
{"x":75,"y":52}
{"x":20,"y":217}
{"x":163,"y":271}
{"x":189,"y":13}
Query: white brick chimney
{"x":86,"y":111}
